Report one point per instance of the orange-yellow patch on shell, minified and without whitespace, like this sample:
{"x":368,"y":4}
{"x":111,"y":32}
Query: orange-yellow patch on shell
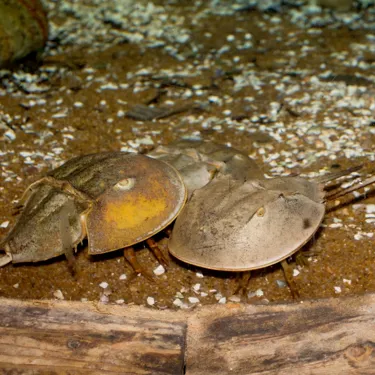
{"x":131,"y":212}
{"x":126,"y":215}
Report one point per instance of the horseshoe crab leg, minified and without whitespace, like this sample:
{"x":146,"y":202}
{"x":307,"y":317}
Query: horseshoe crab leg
{"x":157,"y":252}
{"x":130,"y":256}
{"x":243,"y":282}
{"x":291,"y":284}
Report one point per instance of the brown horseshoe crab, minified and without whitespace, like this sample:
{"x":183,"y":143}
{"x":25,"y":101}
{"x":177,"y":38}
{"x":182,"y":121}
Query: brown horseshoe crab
{"x":246,"y":224}
{"x":112,"y":198}
{"x":199,"y":161}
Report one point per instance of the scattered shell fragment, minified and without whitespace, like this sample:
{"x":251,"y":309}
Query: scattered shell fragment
{"x":151,"y":301}
{"x":58,"y":294}
{"x":159,"y":270}
{"x":193,"y":300}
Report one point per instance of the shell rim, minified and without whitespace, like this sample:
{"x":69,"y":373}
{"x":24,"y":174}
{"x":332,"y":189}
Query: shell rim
{"x":243,"y":269}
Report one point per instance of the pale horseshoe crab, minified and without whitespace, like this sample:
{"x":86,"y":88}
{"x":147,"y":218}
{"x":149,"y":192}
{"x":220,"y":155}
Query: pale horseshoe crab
{"x":246,"y":224}
{"x":114,"y":199}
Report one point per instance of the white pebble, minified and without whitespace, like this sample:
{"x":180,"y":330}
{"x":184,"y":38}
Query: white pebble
{"x":196,"y":287}
{"x":16,"y":285}
{"x":178,"y":302}
{"x":159,"y":270}
{"x":337,"y":289}
{"x":10,"y":134}
{"x":151,"y":301}
{"x":346,"y":281}
{"x":222,"y":300}
{"x":193,"y":300}
{"x":78,"y":104}
{"x":234,"y":299}
{"x":4,"y":224}
{"x":199,"y":274}
{"x":295,"y":272}
{"x":218,"y":296}
{"x":58,"y":294}
{"x":103,"y":285}
{"x":120,"y":301}
{"x":122,"y":277}
{"x":104,"y":298}
{"x":335,"y":225}
{"x":204,"y":294}
{"x":259,"y":293}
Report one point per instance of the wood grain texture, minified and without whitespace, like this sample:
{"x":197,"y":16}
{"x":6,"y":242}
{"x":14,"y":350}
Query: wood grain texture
{"x":334,"y":336}
{"x":75,"y":338}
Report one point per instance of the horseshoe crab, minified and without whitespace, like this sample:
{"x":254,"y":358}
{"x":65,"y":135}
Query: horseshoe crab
{"x":199,"y":161}
{"x":246,"y":224}
{"x":114,"y":199}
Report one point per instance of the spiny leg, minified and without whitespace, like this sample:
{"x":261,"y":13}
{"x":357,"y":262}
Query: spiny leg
{"x":153,"y":246}
{"x":130,"y":256}
{"x":243,"y":282}
{"x":291,"y":284}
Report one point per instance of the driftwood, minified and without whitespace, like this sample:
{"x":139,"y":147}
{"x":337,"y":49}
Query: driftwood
{"x":333,"y":336}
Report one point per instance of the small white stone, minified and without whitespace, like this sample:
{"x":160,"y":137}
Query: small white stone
{"x":234,"y":299}
{"x":104,"y":298}
{"x":204,"y":294}
{"x":78,"y":104}
{"x":4,"y":224}
{"x":10,"y":134}
{"x":178,"y":302}
{"x":358,"y":236}
{"x":370,"y":208}
{"x":58,"y":294}
{"x":120,"y":113}
{"x":151,"y":301}
{"x":103,"y":285}
{"x":259,"y":293}
{"x":222,"y":300}
{"x":120,"y":301}
{"x":347,"y":281}
{"x":335,"y":225}
{"x":337,"y":289}
{"x":196,"y":287}
{"x":295,"y":272}
{"x":84,"y":299}
{"x":122,"y":277}
{"x":193,"y":300}
{"x":16,"y":285}
{"x":179,"y":295}
{"x":159,"y":270}
{"x":199,"y":274}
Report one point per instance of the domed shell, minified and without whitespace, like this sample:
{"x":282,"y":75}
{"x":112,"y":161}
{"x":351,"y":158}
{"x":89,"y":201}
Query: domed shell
{"x":147,"y":197}
{"x":113,"y":198}
{"x":231,"y":225}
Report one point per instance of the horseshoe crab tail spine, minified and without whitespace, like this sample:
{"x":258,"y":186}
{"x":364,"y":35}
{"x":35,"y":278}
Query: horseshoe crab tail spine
{"x":333,"y":176}
{"x":336,"y":194}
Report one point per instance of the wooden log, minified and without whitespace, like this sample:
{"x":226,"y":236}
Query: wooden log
{"x":78,"y":338}
{"x":333,"y":336}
